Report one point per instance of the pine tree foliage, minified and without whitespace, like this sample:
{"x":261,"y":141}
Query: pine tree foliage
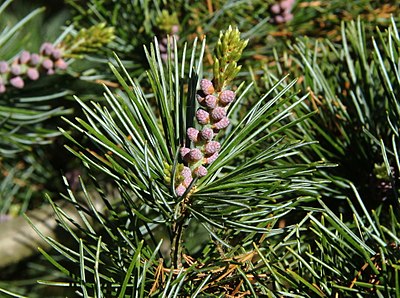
{"x":244,"y":193}
{"x":327,"y":256}
{"x":136,"y":22}
{"x":353,"y":86}
{"x":350,"y":85}
{"x":25,"y":122}
{"x":354,"y":95}
{"x":250,"y":224}
{"x":30,"y":108}
{"x":19,"y":116}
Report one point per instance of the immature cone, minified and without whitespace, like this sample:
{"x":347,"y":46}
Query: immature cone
{"x":184,"y":151}
{"x":200,"y":171}
{"x":192,"y":134}
{"x":186,"y":173}
{"x":61,"y":64}
{"x":218,"y":113}
{"x":207,"y":86}
{"x":180,"y":190}
{"x":195,"y":155}
{"x":32,"y":74}
{"x":211,"y":159}
{"x":164,"y":41}
{"x":56,"y":54}
{"x":275,"y":8}
{"x":24,"y":57}
{"x":17,"y":82}
{"x":175,"y":29}
{"x":281,"y":11}
{"x":286,"y":4}
{"x":221,"y":124}
{"x":288,"y":17}
{"x":187,"y":182}
{"x":226,"y":97}
{"x":35,"y":59}
{"x":3,"y":67}
{"x":207,"y":134}
{"x":210,"y":101}
{"x":212,"y":147}
{"x":15,"y":69}
{"x":46,"y":48}
{"x":47,"y":63}
{"x":202,"y":116}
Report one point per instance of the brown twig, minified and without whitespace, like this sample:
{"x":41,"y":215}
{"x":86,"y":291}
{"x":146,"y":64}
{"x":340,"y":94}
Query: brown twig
{"x":210,"y":6}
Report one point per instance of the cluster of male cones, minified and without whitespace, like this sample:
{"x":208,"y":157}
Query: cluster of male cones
{"x":30,"y":66}
{"x":211,"y":117}
{"x":282,"y":11}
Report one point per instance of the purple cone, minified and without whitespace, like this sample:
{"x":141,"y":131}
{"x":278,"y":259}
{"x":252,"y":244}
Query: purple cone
{"x":226,"y":97}
{"x":212,"y":147}
{"x":184,"y":151}
{"x":210,"y":101}
{"x":200,"y":171}
{"x":24,"y":57}
{"x":17,"y":82}
{"x":202,"y":116}
{"x":207,"y":134}
{"x":221,"y":124}
{"x":180,"y":190}
{"x":3,"y":67}
{"x":35,"y":60}
{"x":15,"y":69}
{"x":212,"y":158}
{"x":218,"y":113}
{"x":56,"y":54}
{"x":32,"y":74}
{"x":47,"y":63}
{"x":195,"y":155}
{"x":46,"y":49}
{"x":207,"y":86}
{"x":192,"y":133}
{"x":61,"y":64}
